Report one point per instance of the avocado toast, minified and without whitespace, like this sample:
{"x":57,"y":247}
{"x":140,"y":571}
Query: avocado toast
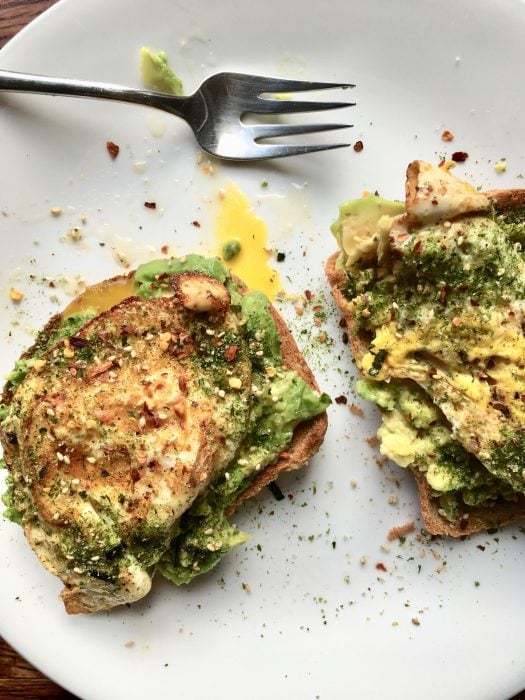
{"x":142,"y":417}
{"x":433,"y":292}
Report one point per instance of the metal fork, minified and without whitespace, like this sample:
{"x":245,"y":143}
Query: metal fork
{"x":214,"y":112}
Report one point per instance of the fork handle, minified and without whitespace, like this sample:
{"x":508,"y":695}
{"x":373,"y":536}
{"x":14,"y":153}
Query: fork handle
{"x":13,"y":81}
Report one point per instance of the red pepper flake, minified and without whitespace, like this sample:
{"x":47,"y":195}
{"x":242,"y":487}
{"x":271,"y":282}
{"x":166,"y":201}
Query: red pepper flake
{"x":230,"y":352}
{"x":343,"y":323}
{"x":165,"y":249}
{"x":459,"y":156}
{"x":447,"y":135}
{"x":358,"y":146}
{"x":52,"y":284}
{"x":112,"y":149}
{"x":196,"y":224}
{"x":284,"y":455}
{"x":308,"y":294}
{"x":345,"y":338}
{"x":443,"y":294}
{"x":150,"y":205}
{"x":381,"y":566}
{"x":481,"y":547}
{"x":418,"y":247}
{"x":341,"y":399}
{"x":183,"y":384}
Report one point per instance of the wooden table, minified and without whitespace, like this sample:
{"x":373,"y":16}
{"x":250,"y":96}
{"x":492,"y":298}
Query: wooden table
{"x":18,"y":679}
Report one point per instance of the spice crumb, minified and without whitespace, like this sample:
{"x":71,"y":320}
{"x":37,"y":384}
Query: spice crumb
{"x":129,"y":644}
{"x":447,"y":135}
{"x":459,"y":156}
{"x":400,"y":531}
{"x":113,"y":149}
{"x":415,"y":621}
{"x":356,"y":410}
{"x":16,"y":295}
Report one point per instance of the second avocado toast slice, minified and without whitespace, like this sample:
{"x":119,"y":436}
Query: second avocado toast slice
{"x":433,"y":292}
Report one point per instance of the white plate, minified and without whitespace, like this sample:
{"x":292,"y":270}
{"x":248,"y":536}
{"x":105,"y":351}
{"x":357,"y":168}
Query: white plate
{"x":317,"y":623}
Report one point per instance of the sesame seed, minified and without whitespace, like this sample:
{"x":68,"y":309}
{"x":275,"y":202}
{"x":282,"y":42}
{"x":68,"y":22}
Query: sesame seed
{"x":56,"y":516}
{"x":142,"y":422}
{"x":78,"y":570}
{"x":67,"y":460}
{"x":259,"y":353}
{"x":162,"y":416}
{"x":209,"y":531}
{"x":221,"y":393}
{"x":235,"y":382}
{"x":75,"y":482}
{"x":242,"y":462}
{"x":91,"y":460}
{"x":60,"y":456}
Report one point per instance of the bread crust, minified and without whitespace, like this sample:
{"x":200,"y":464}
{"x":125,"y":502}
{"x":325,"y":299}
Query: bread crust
{"x":480,"y":518}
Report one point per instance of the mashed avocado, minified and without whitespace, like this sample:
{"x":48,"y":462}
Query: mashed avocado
{"x":415,"y":433}
{"x":156,"y":73}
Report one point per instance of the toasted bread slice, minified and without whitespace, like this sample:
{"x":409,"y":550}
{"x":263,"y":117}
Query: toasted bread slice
{"x":308,"y":436}
{"x":479,"y":518}
{"x":124,"y":371}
